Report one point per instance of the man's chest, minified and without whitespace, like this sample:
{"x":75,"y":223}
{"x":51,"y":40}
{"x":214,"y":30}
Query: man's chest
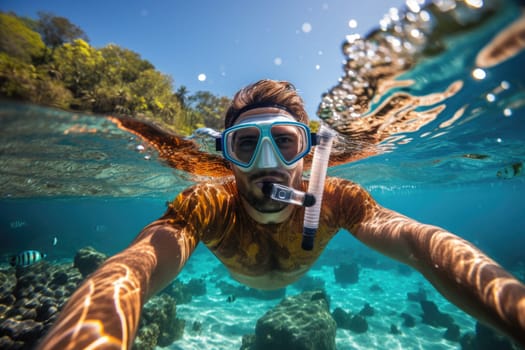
{"x":255,"y":252}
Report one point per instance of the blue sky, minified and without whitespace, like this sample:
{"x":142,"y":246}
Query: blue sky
{"x":231,"y":42}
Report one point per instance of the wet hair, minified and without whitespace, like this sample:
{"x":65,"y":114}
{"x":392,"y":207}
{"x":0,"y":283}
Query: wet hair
{"x":266,"y":93}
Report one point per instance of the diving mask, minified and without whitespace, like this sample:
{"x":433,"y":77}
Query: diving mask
{"x":266,"y":141}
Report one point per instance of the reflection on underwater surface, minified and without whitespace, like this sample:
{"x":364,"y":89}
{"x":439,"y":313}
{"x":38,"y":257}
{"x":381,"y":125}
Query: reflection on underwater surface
{"x":438,"y":137}
{"x":435,"y":119}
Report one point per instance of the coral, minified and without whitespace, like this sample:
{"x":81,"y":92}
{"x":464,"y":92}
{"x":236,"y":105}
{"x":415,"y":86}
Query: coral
{"x":248,"y":342}
{"x":409,"y":320}
{"x":147,"y":337}
{"x":341,"y":317}
{"x":346,"y":273}
{"x":367,"y":310}
{"x":183,"y":293}
{"x":299,"y":322}
{"x":452,"y":333}
{"x":30,"y":299}
{"x":87,"y":260}
{"x":376,"y":288}
{"x":358,"y":324}
{"x":418,"y":296}
{"x":196,"y":327}
{"x":394,"y":330}
{"x":485,"y":339}
{"x":159,"y":318}
{"x":345,"y":320}
{"x":433,"y":317}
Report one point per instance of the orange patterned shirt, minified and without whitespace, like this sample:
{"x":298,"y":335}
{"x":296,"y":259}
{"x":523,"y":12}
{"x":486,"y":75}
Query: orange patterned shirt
{"x":213,"y":214}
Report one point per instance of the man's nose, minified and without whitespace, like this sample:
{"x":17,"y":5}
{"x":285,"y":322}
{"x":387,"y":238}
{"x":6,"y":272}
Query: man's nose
{"x":267,"y":156}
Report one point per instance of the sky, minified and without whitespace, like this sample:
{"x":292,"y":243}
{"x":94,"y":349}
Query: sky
{"x":222,"y":45}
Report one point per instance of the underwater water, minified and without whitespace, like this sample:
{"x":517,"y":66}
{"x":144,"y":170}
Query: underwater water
{"x":453,"y":158}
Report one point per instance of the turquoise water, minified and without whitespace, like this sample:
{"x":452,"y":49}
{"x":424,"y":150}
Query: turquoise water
{"x":71,"y":180}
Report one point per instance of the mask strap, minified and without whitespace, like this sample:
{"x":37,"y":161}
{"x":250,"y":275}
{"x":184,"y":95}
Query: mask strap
{"x":261,"y":105}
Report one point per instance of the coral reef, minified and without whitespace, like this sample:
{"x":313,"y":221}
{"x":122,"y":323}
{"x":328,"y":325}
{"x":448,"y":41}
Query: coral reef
{"x":367,"y":310}
{"x":485,"y":339}
{"x":376,"y":288}
{"x":394,"y":330}
{"x":347,"y":273}
{"x":345,"y":320}
{"x":433,"y":317}
{"x":87,"y":260}
{"x":30,"y":299}
{"x":409,"y":320}
{"x":184,"y":292}
{"x":299,"y":322}
{"x":452,"y":333}
{"x":418,"y":296}
{"x":159,"y":325}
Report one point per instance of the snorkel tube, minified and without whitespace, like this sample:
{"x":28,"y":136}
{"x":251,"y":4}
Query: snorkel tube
{"x":313,"y":198}
{"x":325,"y":138}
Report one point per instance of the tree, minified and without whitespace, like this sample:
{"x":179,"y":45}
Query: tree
{"x":209,"y":109}
{"x":56,"y":30}
{"x":122,"y":65}
{"x":19,"y":41}
{"x":79,"y":66}
{"x":182,"y":95}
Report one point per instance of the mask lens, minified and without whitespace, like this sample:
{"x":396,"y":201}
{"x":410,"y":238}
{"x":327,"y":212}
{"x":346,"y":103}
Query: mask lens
{"x":242,"y":143}
{"x":290,"y":141}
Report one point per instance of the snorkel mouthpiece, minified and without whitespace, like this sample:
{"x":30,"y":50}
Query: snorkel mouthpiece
{"x":325,"y":138}
{"x":287,"y":195}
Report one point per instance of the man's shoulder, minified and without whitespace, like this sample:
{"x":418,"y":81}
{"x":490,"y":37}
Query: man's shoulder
{"x":220,"y":184}
{"x":338,"y":182}
{"x":205,"y":189}
{"x":343,"y":187}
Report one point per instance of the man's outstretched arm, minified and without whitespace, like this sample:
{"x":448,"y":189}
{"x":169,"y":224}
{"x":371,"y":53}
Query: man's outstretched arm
{"x":458,"y":270}
{"x":104,"y":312}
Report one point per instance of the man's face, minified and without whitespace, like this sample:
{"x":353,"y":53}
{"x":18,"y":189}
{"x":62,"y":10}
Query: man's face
{"x":270,"y":170}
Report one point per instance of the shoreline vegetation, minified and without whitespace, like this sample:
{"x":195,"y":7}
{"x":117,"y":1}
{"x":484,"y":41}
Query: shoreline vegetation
{"x":49,"y":62}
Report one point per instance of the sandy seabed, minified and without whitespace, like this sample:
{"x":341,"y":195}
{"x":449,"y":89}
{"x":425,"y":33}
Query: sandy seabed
{"x":224,"y":323}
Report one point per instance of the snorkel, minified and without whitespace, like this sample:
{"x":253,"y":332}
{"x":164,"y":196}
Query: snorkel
{"x":313,"y":198}
{"x":325,"y":139}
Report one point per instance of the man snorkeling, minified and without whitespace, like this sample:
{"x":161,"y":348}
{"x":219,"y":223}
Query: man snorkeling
{"x":257,"y":234}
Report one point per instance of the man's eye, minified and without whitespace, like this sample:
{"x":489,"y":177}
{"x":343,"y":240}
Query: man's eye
{"x":247,"y":144}
{"x":285,"y":141}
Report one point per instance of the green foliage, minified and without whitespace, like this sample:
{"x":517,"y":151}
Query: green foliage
{"x":78,"y":65}
{"x":56,"y":30}
{"x":209,"y":109}
{"x":122,"y":66}
{"x":69,"y":73}
{"x":19,"y":41}
{"x":314,"y":125}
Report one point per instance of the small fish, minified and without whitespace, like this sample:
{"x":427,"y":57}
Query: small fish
{"x":101,"y":228}
{"x":17,"y":224}
{"x":55,"y":241}
{"x":26,"y":258}
{"x":510,"y":171}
